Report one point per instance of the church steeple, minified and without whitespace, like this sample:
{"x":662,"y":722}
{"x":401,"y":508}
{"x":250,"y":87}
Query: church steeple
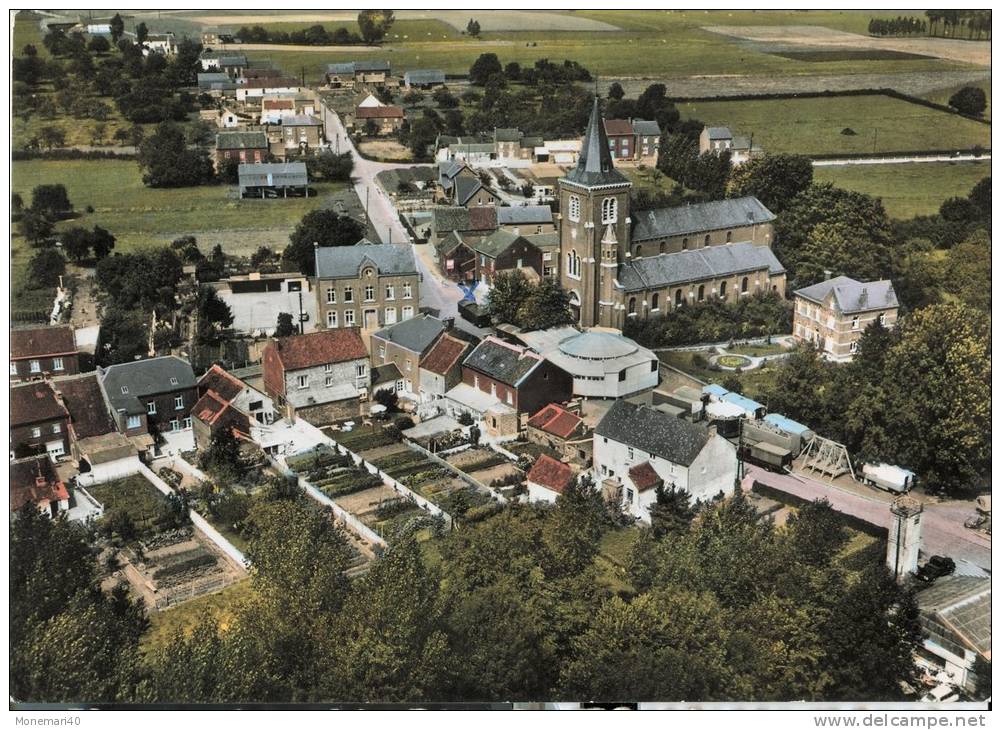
{"x":594,"y":166}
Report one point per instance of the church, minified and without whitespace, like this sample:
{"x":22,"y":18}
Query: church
{"x":615,"y":267}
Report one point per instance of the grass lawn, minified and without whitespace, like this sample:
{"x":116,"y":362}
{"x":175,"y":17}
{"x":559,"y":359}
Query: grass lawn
{"x":220,"y":606}
{"x":942,"y":96}
{"x":142,"y":217}
{"x":756,"y":350}
{"x":910,"y":189}
{"x":813,"y":126}
{"x":755,"y":383}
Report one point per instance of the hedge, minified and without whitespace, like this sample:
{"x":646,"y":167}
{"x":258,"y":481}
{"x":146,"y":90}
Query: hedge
{"x":69,"y":153}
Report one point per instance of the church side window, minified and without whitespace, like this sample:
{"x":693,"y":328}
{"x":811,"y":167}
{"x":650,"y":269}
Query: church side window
{"x":575,"y":208}
{"x":609,"y":210}
{"x":573,"y":264}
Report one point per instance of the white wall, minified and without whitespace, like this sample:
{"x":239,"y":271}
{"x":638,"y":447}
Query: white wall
{"x":344,"y":381}
{"x":539,"y":493}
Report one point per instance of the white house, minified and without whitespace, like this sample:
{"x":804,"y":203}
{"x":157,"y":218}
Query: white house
{"x":548,"y":479}
{"x":956,"y":618}
{"x":637,"y":447}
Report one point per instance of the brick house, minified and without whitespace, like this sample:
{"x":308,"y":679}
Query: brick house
{"x":503,"y":251}
{"x":647,"y":140}
{"x":516,"y":376}
{"x":43,"y":352}
{"x":347,"y":75}
{"x":225,"y":401}
{"x":562,"y":431}
{"x":39,"y":423}
{"x":404,"y":344}
{"x":89,"y":415}
{"x":371,"y":285}
{"x":526,"y":220}
{"x":441,"y":367}
{"x":320,"y":377}
{"x":241,"y":146}
{"x":621,"y":139}
{"x":385,"y":119}
{"x":301,"y":133}
{"x":456,"y":260}
{"x":34,"y":481}
{"x":834,"y":313}
{"x":470,"y":192}
{"x":151,"y":396}
{"x":689,"y":227}
{"x":446,"y":219}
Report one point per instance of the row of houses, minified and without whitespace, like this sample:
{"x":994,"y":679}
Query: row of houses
{"x":378,"y":74}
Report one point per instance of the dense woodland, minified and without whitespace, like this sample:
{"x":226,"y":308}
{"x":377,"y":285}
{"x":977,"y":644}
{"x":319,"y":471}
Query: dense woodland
{"x":716,"y":604}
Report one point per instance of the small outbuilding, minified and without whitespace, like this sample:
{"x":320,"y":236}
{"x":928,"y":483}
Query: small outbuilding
{"x":273,"y":180}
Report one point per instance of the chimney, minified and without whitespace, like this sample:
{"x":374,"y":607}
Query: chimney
{"x":827,"y":274}
{"x":449,"y":323}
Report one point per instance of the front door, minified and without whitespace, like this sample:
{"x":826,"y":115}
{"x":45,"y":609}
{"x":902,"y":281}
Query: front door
{"x":371,"y":319}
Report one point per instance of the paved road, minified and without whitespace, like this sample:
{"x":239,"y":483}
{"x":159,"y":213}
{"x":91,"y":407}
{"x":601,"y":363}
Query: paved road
{"x":942,"y":531}
{"x":900,"y":160}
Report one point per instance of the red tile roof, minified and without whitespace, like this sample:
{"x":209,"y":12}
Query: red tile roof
{"x":644,"y":477}
{"x":83,"y":399}
{"x":33,"y":403}
{"x":618,"y":127}
{"x":379,"y":112}
{"x":319,"y":348}
{"x":39,"y":341}
{"x":444,"y":355}
{"x":216,"y":412}
{"x":556,"y":420}
{"x":551,"y":474}
{"x":279,"y":104}
{"x":34,"y":480}
{"x":226,"y":386}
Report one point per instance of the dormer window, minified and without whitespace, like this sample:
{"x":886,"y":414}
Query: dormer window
{"x":125,"y":390}
{"x":173,"y":381}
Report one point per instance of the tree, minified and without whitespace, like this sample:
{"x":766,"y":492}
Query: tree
{"x":323,"y":227}
{"x":285,"y":326}
{"x":124,"y":336}
{"x":969,"y":270}
{"x":331,"y":167}
{"x":548,"y":305}
{"x":509,"y":292}
{"x":374,"y":24}
{"x":213,"y":313}
{"x":167,"y":162}
{"x":423,"y":132}
{"x":45,"y":268}
{"x":473,"y":28}
{"x":773,"y":179}
{"x":980,"y":195}
{"x":671,"y":512}
{"x":615,"y":91}
{"x":117,"y":28}
{"x":99,"y":44}
{"x":76,"y":243}
{"x":483,"y":68}
{"x":512,"y":71}
{"x":222,"y":458}
{"x":969,"y":100}
{"x":51,"y":201}
{"x":815,"y":533}
{"x":102,"y":242}
{"x":51,"y":137}
{"x":142,"y":33}
{"x":35,"y":227}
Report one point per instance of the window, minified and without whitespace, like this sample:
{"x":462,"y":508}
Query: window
{"x":303,"y":381}
{"x":729,"y":236}
{"x":743,"y":285}
{"x":328,"y":368}
{"x":369,"y":293}
{"x":510,"y":398}
{"x":151,"y":408}
{"x":493,"y":389}
{"x":187,"y":422}
{"x":349,"y":295}
{"x":574,"y":211}
{"x":390,"y":291}
{"x":538,"y":229}
{"x":573,"y":264}
{"x":390,"y":315}
{"x":360,"y":370}
{"x":476,"y":381}
{"x":133,"y":422}
{"x":36,"y":432}
{"x":855,"y":322}
{"x":678,"y":298}
{"x":331,"y":296}
{"x":632,"y":305}
{"x":882,"y":319}
{"x":173,"y":381}
{"x":706,"y":242}
{"x":684,"y":244}
{"x":175,"y":425}
{"x":349,"y":317}
{"x":655,"y":301}
{"x":408,"y":312}
{"x":36,"y":367}
{"x":178,"y":402}
{"x":13,"y":368}
{"x":622,"y":376}
{"x":331,"y":319}
{"x":630,"y":454}
{"x":629,"y":496}
{"x":406,"y":291}
{"x":382,"y":351}
{"x":56,"y":428}
{"x":853,"y":348}
{"x":328,"y":381}
{"x":722,"y":290}
{"x":702,"y":292}
{"x":609,"y":210}
{"x":57,"y":363}
{"x":410,"y":366}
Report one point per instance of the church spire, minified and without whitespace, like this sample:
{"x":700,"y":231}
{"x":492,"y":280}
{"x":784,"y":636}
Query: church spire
{"x":594,"y":165}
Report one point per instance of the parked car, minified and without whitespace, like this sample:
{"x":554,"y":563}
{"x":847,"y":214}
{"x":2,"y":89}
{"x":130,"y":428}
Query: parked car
{"x":942,"y":693}
{"x":936,"y":567}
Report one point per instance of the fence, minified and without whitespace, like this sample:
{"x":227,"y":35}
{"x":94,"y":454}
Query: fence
{"x":356,"y":525}
{"x":475,"y":483}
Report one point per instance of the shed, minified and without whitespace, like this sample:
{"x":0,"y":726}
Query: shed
{"x":273,"y":180}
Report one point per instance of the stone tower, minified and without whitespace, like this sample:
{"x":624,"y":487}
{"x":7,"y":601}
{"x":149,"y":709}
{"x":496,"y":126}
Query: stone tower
{"x":594,"y":228}
{"x":904,"y":538}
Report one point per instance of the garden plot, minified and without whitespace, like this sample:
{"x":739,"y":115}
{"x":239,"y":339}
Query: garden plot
{"x":364,"y":437}
{"x":333,"y":474}
{"x":476,"y":459}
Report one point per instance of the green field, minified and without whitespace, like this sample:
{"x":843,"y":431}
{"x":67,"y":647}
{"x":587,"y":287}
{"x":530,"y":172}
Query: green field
{"x":813,"y":126}
{"x":942,"y":96}
{"x":910,"y":189}
{"x":219,"y":606}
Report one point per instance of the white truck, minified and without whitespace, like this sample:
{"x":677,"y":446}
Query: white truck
{"x":888,"y":477}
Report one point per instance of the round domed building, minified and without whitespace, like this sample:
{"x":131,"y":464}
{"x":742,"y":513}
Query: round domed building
{"x":604,"y":364}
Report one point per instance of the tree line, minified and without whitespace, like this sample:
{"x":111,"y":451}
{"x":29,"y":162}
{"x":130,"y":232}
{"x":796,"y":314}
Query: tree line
{"x":714,"y":604}
{"x":951,"y":21}
{"x":898,"y":26}
{"x":314,"y":35}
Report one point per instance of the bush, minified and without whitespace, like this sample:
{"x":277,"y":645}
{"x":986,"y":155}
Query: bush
{"x":482,"y":512}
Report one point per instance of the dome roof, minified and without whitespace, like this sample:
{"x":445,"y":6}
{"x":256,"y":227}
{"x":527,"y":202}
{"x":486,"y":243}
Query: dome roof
{"x":597,"y":346}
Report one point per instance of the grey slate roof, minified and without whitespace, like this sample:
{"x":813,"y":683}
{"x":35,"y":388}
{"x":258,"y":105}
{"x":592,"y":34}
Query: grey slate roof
{"x":544,"y":241}
{"x":449,"y":243}
{"x":416,"y":334}
{"x":345,"y":262}
{"x":711,"y":262}
{"x":501,"y":362}
{"x":386,"y":374}
{"x":424,"y":76}
{"x":719,"y":133}
{"x":356,"y":66}
{"x":272,"y":174}
{"x":232,"y":60}
{"x":698,"y":217}
{"x":144,"y":378}
{"x":524,"y":214}
{"x":302,"y":120}
{"x":644,"y":128}
{"x":653,"y":432}
{"x":960,"y":605}
{"x":466,"y":188}
{"x":852,"y":296}
{"x":531,"y":142}
{"x":205,"y":80}
{"x":241,"y":141}
{"x":494,"y":244}
{"x":594,"y":165}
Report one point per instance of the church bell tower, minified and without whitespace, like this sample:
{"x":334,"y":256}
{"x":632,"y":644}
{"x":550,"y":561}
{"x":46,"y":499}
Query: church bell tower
{"x":594,"y":228}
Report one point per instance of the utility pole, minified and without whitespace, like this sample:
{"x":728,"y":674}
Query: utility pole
{"x":366,"y":201}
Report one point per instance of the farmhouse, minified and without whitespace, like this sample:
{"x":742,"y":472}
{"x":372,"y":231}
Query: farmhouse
{"x":638,"y":447}
{"x":43,"y":352}
{"x":379,"y":120}
{"x":375,"y":285}
{"x":346,"y":75}
{"x":319,"y":377}
{"x":526,"y":219}
{"x":301,"y":133}
{"x":449,"y":219}
{"x":834,"y":313}
{"x":621,"y":139}
{"x":503,"y":251}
